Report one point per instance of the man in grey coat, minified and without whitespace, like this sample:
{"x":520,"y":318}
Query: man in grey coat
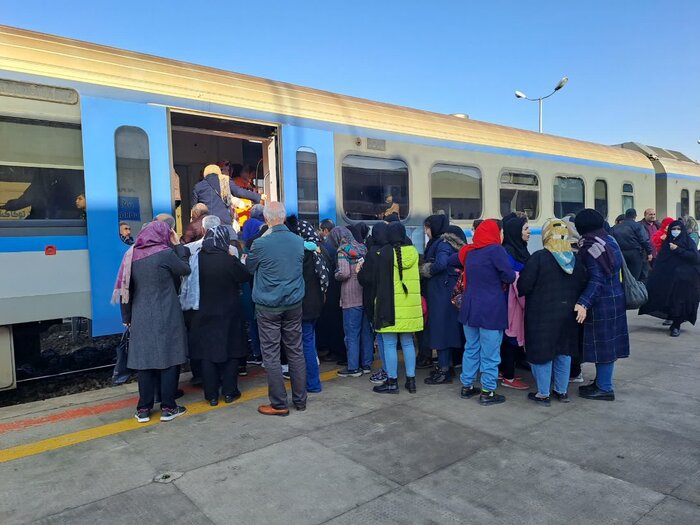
{"x":634,"y":242}
{"x":276,"y":260}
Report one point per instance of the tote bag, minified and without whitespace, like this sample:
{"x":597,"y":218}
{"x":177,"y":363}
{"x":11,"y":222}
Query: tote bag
{"x":636,"y":293}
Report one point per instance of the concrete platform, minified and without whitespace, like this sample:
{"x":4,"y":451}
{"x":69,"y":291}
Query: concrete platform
{"x":357,"y":457}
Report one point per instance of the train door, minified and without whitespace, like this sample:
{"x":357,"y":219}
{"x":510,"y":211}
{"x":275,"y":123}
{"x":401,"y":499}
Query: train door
{"x":247,"y":150}
{"x":127,"y":166}
{"x":309,"y":173}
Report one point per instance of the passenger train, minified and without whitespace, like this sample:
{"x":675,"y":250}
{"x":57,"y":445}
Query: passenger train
{"x":91,"y":136}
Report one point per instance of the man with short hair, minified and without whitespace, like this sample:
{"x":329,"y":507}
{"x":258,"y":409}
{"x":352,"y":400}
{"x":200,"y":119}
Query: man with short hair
{"x":634,"y":242}
{"x":125,"y":233}
{"x":276,"y":260}
{"x":651,"y":226}
{"x":325,"y":228}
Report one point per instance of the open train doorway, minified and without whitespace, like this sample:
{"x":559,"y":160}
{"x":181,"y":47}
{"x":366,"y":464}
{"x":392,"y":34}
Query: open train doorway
{"x":247,"y":149}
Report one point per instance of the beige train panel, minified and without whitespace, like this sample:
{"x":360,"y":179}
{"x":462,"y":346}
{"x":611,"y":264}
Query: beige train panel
{"x":41,"y":307}
{"x":7,"y":359}
{"x":36,"y":274}
{"x":39,"y":54}
{"x":680,"y":167}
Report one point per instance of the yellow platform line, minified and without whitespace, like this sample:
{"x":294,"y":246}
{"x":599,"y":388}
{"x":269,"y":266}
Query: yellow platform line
{"x":126,"y":425}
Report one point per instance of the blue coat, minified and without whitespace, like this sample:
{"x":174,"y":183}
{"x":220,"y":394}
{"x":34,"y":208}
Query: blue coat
{"x":605,"y":335}
{"x":207,"y":192}
{"x":485,"y":303}
{"x":442,"y":329}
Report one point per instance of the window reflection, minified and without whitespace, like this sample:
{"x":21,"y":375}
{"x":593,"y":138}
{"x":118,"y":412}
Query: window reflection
{"x":374,"y":188}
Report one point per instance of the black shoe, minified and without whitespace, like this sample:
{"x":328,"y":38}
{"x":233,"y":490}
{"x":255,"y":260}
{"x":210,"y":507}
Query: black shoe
{"x":255,"y":360}
{"x":213,"y":402}
{"x":195,"y":381}
{"x":342,"y":362}
{"x":544,"y":401}
{"x":390,"y":386}
{"x":411,"y":385}
{"x":491,"y":398}
{"x":242,"y":371}
{"x":179,"y":393}
{"x":230,"y":398}
{"x":562,"y":398}
{"x":468,"y":392}
{"x":424,"y":363}
{"x":439,"y":377}
{"x":597,"y":393}
{"x":675,"y":332}
{"x":667,"y":322}
{"x":587,"y":388}
{"x":328,"y":358}
{"x":287,"y":376}
{"x":300,"y":408}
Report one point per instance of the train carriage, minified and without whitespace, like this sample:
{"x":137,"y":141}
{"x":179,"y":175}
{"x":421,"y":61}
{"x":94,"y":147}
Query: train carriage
{"x":129,"y":133}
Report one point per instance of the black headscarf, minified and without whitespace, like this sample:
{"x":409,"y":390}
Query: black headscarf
{"x":594,"y":240}
{"x":513,"y":238}
{"x":380,"y":235}
{"x":359,"y":231}
{"x":216,"y":240}
{"x":459,"y":232}
{"x":682,"y":241}
{"x":438,"y":225}
{"x":384,"y":313}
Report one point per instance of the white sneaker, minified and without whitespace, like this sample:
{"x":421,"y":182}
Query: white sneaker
{"x":577,"y":379}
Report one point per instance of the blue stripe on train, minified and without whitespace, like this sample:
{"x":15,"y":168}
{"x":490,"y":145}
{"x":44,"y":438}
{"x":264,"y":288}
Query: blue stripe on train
{"x":39,"y":244}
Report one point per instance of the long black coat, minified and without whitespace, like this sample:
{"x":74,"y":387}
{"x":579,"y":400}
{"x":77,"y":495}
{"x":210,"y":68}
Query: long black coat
{"x":216,"y":329}
{"x":550,"y":296}
{"x":313,"y":295}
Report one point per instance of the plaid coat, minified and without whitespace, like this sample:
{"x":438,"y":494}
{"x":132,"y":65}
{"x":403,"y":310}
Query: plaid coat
{"x":605,"y":335}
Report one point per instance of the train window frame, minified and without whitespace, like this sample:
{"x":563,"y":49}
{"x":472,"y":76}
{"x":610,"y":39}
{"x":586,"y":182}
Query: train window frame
{"x":627,"y":194}
{"x":124,"y":203}
{"x":607,"y":198}
{"x":517,"y":171}
{"x":564,"y":176}
{"x":474,"y":167}
{"x":316,"y":214}
{"x":696,"y":204}
{"x":389,"y":158}
{"x":46,"y":108}
{"x":687,"y":198}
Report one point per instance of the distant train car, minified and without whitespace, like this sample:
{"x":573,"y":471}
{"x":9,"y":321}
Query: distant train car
{"x":92,"y":136}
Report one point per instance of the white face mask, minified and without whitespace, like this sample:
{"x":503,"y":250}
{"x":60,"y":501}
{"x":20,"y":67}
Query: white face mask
{"x":675,"y":233}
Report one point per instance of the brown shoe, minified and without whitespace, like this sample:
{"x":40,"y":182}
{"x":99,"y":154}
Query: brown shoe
{"x":269,"y":410}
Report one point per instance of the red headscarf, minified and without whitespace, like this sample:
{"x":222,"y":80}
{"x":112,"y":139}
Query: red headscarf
{"x":486,"y":234}
{"x":661,"y":233}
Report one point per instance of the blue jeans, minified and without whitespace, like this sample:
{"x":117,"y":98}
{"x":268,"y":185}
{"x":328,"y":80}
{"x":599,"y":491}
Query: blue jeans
{"x":604,"y":376}
{"x":391,"y":357}
{"x":380,"y":344}
{"x":543,"y":375}
{"x":482,"y":352}
{"x":254,"y":338}
{"x":313,"y":379}
{"x":358,"y":338}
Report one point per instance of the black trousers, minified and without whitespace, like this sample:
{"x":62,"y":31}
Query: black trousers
{"x":634,"y":260}
{"x":222,"y":376}
{"x":165,"y":380}
{"x":508,"y":356}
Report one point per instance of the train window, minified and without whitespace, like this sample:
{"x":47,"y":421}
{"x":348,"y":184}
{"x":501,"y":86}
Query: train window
{"x":569,"y":195}
{"x":456,"y":191}
{"x":520,"y":192}
{"x":41,"y":157}
{"x":696,"y":198}
{"x":600,"y":202}
{"x":374,"y":188}
{"x":307,"y":185}
{"x":627,"y":196}
{"x":133,"y":177}
{"x":685,"y":203}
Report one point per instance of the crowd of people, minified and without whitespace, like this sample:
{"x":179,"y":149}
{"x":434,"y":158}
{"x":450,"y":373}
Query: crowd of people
{"x":281,"y":293}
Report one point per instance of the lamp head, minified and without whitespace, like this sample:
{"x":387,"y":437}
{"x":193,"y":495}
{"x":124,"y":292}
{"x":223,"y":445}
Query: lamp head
{"x":561,"y":83}
{"x":520,"y":94}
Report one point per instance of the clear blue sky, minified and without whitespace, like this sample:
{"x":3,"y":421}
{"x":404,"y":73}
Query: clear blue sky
{"x":634,"y":66}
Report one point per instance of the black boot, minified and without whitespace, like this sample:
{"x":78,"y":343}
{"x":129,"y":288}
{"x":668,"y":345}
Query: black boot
{"x":439,"y":377}
{"x":390,"y":386}
{"x":411,"y":385}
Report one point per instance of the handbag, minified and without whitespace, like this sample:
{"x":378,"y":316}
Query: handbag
{"x":458,"y":291}
{"x":636,"y":294}
{"x":121,"y":373}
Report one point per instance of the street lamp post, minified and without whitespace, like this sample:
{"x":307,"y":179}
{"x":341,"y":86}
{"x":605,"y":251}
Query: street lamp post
{"x":561,"y":84}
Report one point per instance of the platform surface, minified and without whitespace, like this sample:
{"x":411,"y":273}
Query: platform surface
{"x":357,"y":457}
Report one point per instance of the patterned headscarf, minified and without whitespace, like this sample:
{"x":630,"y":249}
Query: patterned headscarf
{"x":346,"y":245}
{"x":555,"y":238}
{"x":307,"y":232}
{"x":216,"y":240}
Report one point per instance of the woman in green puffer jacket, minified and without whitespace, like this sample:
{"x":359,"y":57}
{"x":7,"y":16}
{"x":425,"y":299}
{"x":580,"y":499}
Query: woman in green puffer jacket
{"x":398,"y":312}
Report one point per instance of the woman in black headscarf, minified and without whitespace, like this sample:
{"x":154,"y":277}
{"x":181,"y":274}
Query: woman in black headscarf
{"x":216,"y":331}
{"x":674,"y":285}
{"x":601,"y":307}
{"x":516,"y":234}
{"x":359,"y":231}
